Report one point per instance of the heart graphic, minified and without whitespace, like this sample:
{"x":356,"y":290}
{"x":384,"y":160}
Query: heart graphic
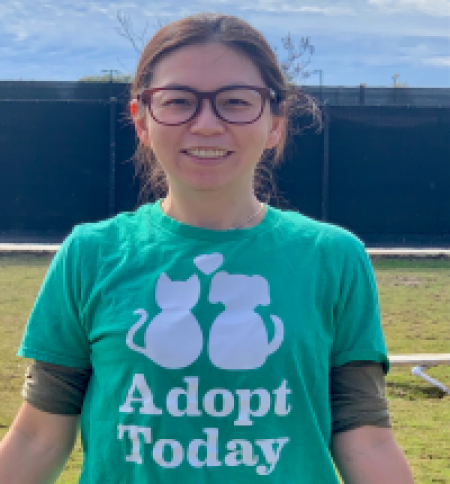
{"x":208,"y":263}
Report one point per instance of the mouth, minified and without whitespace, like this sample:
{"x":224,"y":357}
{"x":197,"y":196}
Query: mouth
{"x":207,"y":154}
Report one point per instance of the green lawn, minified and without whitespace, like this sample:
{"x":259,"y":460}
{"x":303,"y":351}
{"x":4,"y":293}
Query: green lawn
{"x":415,"y":302}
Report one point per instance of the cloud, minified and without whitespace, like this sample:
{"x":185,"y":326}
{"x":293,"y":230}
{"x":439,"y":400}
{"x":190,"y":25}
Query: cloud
{"x":365,"y":53}
{"x":70,"y":39}
{"x":420,"y":53}
{"x":293,"y":7}
{"x":437,"y":8}
{"x":437,"y":61}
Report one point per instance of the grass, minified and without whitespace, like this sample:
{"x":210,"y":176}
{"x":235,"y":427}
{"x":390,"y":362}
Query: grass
{"x":415,"y":302}
{"x":20,"y":279}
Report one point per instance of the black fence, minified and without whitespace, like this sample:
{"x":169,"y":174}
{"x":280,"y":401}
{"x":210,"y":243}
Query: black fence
{"x":381,"y":171}
{"x":330,"y":95}
{"x":381,"y":96}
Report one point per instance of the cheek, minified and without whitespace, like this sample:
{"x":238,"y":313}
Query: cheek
{"x":164,"y":142}
{"x":257,"y":139}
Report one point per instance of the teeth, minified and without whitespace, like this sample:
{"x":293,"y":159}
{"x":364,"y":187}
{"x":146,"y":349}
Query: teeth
{"x":207,"y":153}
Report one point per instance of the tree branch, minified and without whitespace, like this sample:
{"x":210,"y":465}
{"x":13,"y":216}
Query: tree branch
{"x":292,"y":67}
{"x":126,"y":30}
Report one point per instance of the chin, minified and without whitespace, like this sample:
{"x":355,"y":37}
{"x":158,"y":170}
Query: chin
{"x":214,"y":179}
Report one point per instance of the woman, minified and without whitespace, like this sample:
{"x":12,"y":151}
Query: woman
{"x":207,"y":337}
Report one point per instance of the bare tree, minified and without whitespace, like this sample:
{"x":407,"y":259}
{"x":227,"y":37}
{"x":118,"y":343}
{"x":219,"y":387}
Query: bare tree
{"x":294,"y":65}
{"x":126,"y":30}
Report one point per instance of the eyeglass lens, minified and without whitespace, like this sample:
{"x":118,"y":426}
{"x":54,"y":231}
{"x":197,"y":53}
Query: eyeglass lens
{"x":175,"y":106}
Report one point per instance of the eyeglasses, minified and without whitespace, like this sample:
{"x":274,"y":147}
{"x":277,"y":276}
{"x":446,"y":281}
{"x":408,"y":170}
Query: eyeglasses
{"x":238,"y":104}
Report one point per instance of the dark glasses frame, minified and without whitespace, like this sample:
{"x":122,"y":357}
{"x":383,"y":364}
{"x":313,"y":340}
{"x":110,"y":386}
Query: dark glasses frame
{"x":145,"y":96}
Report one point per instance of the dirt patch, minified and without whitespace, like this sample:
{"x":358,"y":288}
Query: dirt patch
{"x":407,"y":281}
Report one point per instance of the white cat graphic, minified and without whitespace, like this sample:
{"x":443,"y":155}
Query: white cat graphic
{"x":238,"y":339}
{"x":173,"y":339}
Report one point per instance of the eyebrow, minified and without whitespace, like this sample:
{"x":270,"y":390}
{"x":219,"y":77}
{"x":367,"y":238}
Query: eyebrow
{"x":184,"y":86}
{"x":176,"y":86}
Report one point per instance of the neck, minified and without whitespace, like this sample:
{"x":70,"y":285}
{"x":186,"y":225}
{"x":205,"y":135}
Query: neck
{"x":214,"y":212}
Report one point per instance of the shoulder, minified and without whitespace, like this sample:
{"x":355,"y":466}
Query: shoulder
{"x":326,"y":239}
{"x":91,"y":243}
{"x":123,"y":228}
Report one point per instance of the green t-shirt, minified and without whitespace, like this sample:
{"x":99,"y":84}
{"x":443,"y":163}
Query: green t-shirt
{"x":210,"y":350}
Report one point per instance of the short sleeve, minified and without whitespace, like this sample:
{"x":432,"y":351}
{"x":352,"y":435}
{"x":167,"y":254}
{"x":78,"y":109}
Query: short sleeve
{"x":54,"y":333}
{"x":357,"y":319}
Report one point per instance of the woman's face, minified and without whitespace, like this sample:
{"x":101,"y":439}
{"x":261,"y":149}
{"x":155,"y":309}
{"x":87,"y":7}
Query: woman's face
{"x":206,"y":68}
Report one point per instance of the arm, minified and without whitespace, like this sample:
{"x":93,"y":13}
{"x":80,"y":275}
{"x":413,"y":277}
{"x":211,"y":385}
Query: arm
{"x":370,"y":455}
{"x":36,"y":446}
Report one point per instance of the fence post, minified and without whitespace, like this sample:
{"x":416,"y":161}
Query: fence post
{"x":362,"y":94}
{"x":325,"y":171}
{"x":112,"y":156}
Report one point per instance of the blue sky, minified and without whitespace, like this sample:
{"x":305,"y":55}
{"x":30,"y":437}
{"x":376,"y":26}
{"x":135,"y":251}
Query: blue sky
{"x":356,"y":41}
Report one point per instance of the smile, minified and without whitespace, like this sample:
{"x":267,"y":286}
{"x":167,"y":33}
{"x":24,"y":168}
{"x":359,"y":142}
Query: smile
{"x":207,"y":153}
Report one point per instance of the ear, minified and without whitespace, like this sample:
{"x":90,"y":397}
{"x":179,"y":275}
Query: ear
{"x":278,"y":125}
{"x":139,"y":115}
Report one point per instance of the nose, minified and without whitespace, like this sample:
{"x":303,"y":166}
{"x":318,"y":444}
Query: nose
{"x":206,"y":121}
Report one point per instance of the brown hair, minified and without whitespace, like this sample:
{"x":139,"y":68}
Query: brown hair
{"x":241,"y":37}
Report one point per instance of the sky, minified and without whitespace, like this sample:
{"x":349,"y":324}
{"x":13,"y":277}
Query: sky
{"x":355,"y":41}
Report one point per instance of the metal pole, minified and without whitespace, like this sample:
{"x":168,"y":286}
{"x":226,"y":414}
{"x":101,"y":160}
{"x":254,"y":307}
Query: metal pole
{"x":418,"y":371}
{"x":321,"y":85}
{"x":326,"y":166}
{"x":111,"y":78}
{"x":320,"y":71}
{"x":112,"y":156}
{"x":362,"y":95}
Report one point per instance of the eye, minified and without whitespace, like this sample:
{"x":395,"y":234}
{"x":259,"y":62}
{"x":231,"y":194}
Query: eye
{"x":177,"y":102}
{"x":236,"y":102}
{"x":173,"y":99}
{"x":238,"y":99}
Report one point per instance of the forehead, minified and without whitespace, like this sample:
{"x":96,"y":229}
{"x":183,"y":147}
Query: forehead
{"x":205,"y":67}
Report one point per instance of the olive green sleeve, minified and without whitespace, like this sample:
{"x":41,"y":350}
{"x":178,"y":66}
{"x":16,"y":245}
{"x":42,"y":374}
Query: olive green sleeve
{"x":357,"y":396}
{"x":55,"y":389}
